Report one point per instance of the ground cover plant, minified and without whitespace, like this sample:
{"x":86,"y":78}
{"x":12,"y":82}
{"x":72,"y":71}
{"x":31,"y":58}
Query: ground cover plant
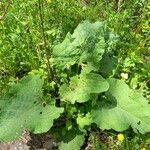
{"x":77,"y":68}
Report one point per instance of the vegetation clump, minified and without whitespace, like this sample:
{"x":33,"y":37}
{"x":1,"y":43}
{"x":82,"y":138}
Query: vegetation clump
{"x":81,"y":64}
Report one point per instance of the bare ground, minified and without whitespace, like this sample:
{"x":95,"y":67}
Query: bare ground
{"x":31,"y":142}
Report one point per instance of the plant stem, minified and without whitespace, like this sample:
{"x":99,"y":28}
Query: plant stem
{"x":6,"y":10}
{"x":49,"y":68}
{"x":119,"y":5}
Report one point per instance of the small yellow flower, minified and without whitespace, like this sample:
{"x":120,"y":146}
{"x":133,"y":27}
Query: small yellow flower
{"x":120,"y":137}
{"x":143,"y":148}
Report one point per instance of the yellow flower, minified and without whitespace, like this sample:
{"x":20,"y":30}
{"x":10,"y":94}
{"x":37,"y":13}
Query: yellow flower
{"x":143,"y":148}
{"x":120,"y":137}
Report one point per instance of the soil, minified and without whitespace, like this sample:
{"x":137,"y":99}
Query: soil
{"x":31,"y":142}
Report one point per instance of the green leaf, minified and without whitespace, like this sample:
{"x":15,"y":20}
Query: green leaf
{"x":125,"y":108}
{"x":72,"y":141}
{"x":21,"y":109}
{"x":81,"y":87}
{"x":108,"y":63}
{"x":83,"y":121}
{"x":86,"y":44}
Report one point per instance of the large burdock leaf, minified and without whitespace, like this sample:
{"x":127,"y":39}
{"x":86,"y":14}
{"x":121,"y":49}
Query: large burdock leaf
{"x":81,"y":87}
{"x":72,"y":141}
{"x":125,"y":108}
{"x":86,"y":44}
{"x":21,"y":109}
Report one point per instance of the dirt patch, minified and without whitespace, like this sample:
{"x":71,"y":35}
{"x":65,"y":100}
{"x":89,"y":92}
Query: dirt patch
{"x":31,"y":142}
{"x":18,"y":145}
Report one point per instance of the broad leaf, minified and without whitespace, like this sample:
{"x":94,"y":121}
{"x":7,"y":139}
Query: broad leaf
{"x":108,"y":63}
{"x":21,"y":109}
{"x":81,"y":87}
{"x":72,"y":141}
{"x":86,"y":44}
{"x":125,"y":108}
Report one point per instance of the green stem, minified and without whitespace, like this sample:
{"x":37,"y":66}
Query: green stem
{"x":48,"y":55}
{"x":6,"y":10}
{"x":119,"y":5}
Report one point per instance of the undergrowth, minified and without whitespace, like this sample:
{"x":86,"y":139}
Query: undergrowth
{"x":78,"y":68}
